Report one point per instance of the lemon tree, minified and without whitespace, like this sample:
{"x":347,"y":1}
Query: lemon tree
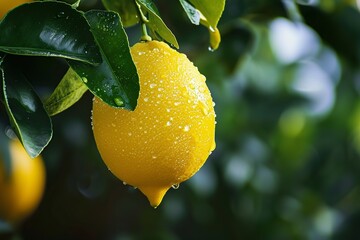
{"x":22,"y":189}
{"x":96,"y":49}
{"x":170,"y":134}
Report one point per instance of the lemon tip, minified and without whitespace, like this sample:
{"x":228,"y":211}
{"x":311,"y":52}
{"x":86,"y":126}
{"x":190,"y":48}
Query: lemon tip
{"x":154,"y":194}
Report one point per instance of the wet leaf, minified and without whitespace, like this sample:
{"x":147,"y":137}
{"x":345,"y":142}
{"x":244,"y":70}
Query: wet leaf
{"x":48,"y":29}
{"x":25,"y":110}
{"x":115,"y":80}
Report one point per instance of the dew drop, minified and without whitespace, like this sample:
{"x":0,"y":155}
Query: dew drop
{"x":119,"y":102}
{"x":211,"y":49}
{"x":84,"y":79}
{"x":152,"y":85}
{"x":177,"y":103}
{"x":146,"y":99}
{"x":168,"y":123}
{"x":186,"y":128}
{"x":141,"y":53}
{"x":154,"y":157}
{"x":176,"y":186}
{"x":205,"y":111}
{"x":129,"y":133}
{"x":168,"y":110}
{"x":123,"y":182}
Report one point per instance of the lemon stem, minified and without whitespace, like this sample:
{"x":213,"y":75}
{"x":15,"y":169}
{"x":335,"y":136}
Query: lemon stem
{"x":145,"y":36}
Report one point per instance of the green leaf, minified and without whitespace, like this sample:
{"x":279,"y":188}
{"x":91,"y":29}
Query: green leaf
{"x":156,"y":24}
{"x":211,"y":10}
{"x":48,"y":29}
{"x":69,"y":91}
{"x":192,"y":13}
{"x":127,"y":10}
{"x":115,"y":80}
{"x":25,"y":110}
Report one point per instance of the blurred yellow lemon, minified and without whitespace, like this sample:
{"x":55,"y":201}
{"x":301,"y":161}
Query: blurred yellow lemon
{"x":170,"y":134}
{"x":7,"y":5}
{"x":22,"y":190}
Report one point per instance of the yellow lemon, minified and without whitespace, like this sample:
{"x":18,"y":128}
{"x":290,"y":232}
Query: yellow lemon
{"x":170,"y":134}
{"x":22,"y":190}
{"x":7,"y":5}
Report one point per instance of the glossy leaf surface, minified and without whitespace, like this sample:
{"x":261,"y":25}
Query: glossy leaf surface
{"x":115,"y":80}
{"x":48,"y":29}
{"x":25,"y":110}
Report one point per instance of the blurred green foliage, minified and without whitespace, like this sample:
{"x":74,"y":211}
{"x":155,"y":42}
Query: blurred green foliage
{"x":286,"y":84}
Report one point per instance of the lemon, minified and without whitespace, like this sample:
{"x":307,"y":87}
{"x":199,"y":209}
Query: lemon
{"x":170,"y":134}
{"x":7,"y":5}
{"x":22,"y":190}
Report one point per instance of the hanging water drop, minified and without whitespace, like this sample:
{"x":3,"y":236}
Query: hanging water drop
{"x":205,"y":111}
{"x":186,"y":128}
{"x":119,"y":102}
{"x":176,"y":186}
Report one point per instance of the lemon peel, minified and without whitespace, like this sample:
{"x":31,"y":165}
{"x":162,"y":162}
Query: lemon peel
{"x":169,"y":135}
